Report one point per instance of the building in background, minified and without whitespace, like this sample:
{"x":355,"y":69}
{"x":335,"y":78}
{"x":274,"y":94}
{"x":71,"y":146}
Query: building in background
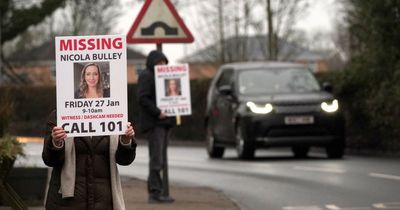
{"x":204,"y":63}
{"x":37,"y":66}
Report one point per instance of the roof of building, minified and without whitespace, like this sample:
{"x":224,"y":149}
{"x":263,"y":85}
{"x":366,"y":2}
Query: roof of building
{"x":257,"y":64}
{"x":46,"y":52}
{"x":254,"y":48}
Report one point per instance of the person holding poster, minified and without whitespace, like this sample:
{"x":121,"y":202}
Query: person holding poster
{"x":155,"y":124}
{"x":85,"y":174}
{"x":91,"y":84}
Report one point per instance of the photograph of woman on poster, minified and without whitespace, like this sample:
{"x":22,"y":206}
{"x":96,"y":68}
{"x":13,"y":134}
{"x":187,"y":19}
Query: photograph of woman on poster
{"x":91,"y":83}
{"x":173,"y":87}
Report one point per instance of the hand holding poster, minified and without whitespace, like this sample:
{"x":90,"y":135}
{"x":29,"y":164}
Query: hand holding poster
{"x":91,"y":85}
{"x":173,"y":89}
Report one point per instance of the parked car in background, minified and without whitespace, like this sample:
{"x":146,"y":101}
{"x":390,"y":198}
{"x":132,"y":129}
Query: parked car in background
{"x":272,"y":104}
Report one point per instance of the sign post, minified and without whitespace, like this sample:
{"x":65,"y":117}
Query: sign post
{"x":158,"y":22}
{"x":165,"y":179}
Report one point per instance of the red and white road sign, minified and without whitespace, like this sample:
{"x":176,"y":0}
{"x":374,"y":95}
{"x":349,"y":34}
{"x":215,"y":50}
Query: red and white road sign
{"x":159,"y":22}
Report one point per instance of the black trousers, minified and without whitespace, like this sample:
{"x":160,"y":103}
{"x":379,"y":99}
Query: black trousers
{"x":158,"y":142}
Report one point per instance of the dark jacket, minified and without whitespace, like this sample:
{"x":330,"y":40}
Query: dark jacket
{"x":92,"y":182}
{"x":148,"y":110}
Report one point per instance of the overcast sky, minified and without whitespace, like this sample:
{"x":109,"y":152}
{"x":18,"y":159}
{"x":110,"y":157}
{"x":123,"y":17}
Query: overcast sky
{"x":321,"y":16}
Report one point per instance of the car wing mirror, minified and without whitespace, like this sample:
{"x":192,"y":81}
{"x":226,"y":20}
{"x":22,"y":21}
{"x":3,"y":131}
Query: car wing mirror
{"x":225,"y":90}
{"x":328,"y":87}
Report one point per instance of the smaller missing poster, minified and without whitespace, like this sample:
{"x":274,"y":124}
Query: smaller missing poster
{"x":173,"y":89}
{"x":91,"y":85}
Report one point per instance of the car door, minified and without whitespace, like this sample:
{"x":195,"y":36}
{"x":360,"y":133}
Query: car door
{"x":222,"y":110}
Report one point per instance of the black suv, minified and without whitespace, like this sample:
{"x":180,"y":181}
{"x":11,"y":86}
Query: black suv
{"x":271,"y":104}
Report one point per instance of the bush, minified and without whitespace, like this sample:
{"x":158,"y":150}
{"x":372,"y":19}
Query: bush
{"x":31,"y":107}
{"x":10,"y":147}
{"x":369,"y":87}
{"x":371,"y":110}
{"x":6,"y":109}
{"x":34,"y":104}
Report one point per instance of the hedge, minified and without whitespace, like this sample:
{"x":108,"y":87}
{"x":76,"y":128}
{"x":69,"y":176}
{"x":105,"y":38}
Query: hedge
{"x":372,"y":111}
{"x":32,"y":106}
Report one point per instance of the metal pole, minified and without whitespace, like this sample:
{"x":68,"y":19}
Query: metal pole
{"x":159,"y":47}
{"x":165,"y":168}
{"x":165,"y":181}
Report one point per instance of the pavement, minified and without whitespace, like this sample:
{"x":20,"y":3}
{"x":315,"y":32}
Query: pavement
{"x":186,"y":197}
{"x":135,"y":189}
{"x":193,"y":198}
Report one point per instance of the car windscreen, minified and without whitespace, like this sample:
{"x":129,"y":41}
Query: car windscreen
{"x":280,"y":80}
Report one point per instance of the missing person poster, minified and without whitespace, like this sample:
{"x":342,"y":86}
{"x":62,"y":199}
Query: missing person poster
{"x":91,"y":85}
{"x":173,"y":89}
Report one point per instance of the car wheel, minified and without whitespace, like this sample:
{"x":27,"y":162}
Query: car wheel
{"x":244,"y":145}
{"x":335,"y":151}
{"x":300,"y":151}
{"x":213,"y":151}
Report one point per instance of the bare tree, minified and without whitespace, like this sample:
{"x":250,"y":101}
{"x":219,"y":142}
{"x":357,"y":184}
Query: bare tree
{"x":16,"y":18}
{"x":272,"y":46}
{"x":244,"y":19}
{"x":211,"y":25}
{"x":224,"y":26}
{"x":341,"y":40}
{"x":90,"y":16}
{"x":221,"y":30}
{"x":282,"y":15}
{"x":232,"y":25}
{"x":341,"y":35}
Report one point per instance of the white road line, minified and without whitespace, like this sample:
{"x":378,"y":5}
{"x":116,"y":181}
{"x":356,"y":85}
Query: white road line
{"x":301,"y":208}
{"x":392,"y":205}
{"x":385,"y":176}
{"x":318,"y":169}
{"x":332,"y":207}
{"x":379,"y":205}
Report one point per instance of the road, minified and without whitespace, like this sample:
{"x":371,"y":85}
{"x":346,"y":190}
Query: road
{"x":275,"y":180}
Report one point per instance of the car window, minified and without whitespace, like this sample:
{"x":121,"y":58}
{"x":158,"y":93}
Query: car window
{"x":277,"y":81}
{"x":226,"y":78}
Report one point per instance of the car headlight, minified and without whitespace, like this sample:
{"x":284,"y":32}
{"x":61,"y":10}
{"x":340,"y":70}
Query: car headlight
{"x":264,"y":109}
{"x":330,"y":107}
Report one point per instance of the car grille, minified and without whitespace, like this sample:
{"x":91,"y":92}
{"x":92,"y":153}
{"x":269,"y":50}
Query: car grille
{"x":297,"y":131}
{"x":300,"y":108}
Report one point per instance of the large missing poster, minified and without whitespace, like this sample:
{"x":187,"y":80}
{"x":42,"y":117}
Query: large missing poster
{"x":173,"y":89}
{"x":91,"y":85}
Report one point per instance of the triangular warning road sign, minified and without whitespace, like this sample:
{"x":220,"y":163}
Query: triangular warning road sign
{"x":159,"y":22}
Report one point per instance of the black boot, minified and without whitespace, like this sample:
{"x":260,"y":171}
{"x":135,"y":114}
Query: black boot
{"x":160,"y":199}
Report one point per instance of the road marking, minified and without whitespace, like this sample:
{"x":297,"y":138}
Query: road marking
{"x":327,"y":170}
{"x":301,"y":208}
{"x":332,"y":207}
{"x":392,"y":205}
{"x":385,"y":176}
{"x":379,"y":205}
